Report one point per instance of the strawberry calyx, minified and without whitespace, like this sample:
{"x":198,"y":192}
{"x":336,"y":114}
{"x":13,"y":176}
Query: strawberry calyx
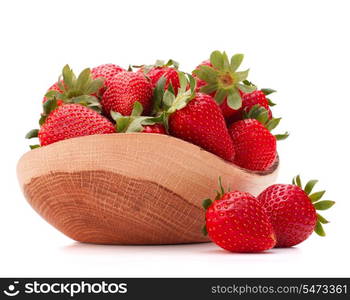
{"x":159,"y":64}
{"x":134,"y":122}
{"x":166,"y":102}
{"x":261,"y":114}
{"x":315,"y":200}
{"x":79,"y":89}
{"x":223,"y":78}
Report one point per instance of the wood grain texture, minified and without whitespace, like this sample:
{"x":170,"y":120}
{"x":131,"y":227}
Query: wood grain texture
{"x":129,"y":188}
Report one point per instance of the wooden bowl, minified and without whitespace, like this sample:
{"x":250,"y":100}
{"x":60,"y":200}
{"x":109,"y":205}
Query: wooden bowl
{"x":132,"y":188}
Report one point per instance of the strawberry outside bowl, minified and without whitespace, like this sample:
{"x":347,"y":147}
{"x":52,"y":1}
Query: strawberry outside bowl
{"x":132,"y":188}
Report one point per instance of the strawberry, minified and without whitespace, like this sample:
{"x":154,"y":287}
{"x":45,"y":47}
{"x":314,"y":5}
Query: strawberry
{"x":292,"y":211}
{"x":202,"y":123}
{"x":236,"y":222}
{"x":54,"y":87}
{"x":254,"y":144}
{"x":220,"y":79}
{"x":167,"y":70}
{"x":200,"y":82}
{"x":156,"y":128}
{"x":194,"y":117}
{"x":72,"y":89}
{"x":248,"y":101}
{"x":107,"y":71}
{"x":124,"y":90}
{"x":69,"y":121}
{"x":136,"y":122}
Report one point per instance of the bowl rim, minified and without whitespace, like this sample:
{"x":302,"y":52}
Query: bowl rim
{"x":269,"y":171}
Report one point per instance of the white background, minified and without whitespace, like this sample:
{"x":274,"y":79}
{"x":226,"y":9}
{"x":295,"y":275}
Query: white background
{"x":300,"y":48}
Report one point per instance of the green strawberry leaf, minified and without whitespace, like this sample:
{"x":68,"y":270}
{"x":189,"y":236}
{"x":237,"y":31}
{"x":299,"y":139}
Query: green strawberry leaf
{"x":319,"y":229}
{"x":83,"y":79}
{"x":217,"y":60}
{"x":268,"y":91}
{"x":236,"y":61}
{"x":280,"y":137}
{"x":49,"y":106}
{"x":95,"y":85}
{"x":171,"y":88}
{"x":209,"y":88}
{"x":220,"y":95}
{"x":273,"y":123}
{"x":193,"y":83}
{"x":316,"y":196}
{"x":183,"y":82}
{"x":263,"y":118}
{"x":42,"y":119}
{"x":172,"y":63}
{"x":323,"y":205}
{"x":60,"y":83}
{"x":227,"y":66}
{"x":32,"y":134}
{"x":159,"y":63}
{"x":137,"y":109}
{"x":207,"y":73}
{"x":32,"y":147}
{"x":240,"y":76}
{"x":158,"y":95}
{"x":53,"y":94}
{"x":68,"y":77}
{"x":248,"y":83}
{"x":270,"y":103}
{"x":234,"y":99}
{"x":206,"y":203}
{"x":246,"y":88}
{"x":298,"y":181}
{"x":122,"y":123}
{"x":168,"y":98}
{"x":115,"y":115}
{"x":309,"y":186}
{"x":136,"y":125}
{"x":322,"y":219}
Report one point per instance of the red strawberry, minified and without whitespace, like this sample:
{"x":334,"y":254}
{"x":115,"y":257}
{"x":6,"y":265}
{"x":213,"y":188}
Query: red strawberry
{"x":124,"y":90}
{"x":236,"y":222}
{"x":72,"y":120}
{"x":136,"y":122}
{"x":256,"y":97}
{"x":156,"y":128}
{"x":248,"y":101}
{"x":218,"y":78}
{"x":292,"y":211}
{"x":167,"y":70}
{"x":254,"y":144}
{"x":193,"y":117}
{"x":200,"y":122}
{"x":107,"y":71}
{"x":72,"y":89}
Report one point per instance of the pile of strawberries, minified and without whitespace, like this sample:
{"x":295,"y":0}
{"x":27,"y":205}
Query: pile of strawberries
{"x":216,"y":108}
